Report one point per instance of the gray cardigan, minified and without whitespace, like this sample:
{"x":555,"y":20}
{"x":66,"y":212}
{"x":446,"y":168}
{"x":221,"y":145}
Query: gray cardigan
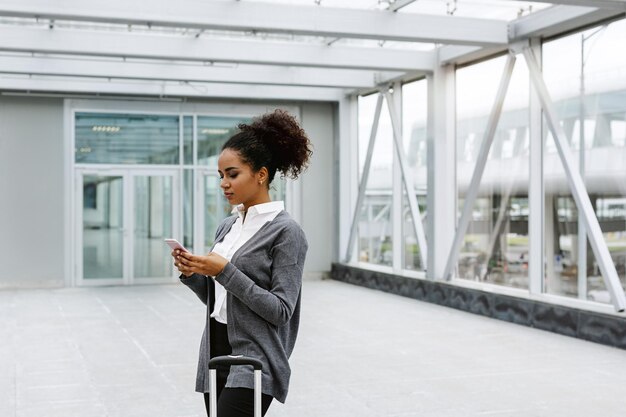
{"x":263,"y":281}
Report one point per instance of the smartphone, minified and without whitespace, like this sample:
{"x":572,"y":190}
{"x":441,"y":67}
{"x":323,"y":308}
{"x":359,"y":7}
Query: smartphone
{"x":175,"y":244}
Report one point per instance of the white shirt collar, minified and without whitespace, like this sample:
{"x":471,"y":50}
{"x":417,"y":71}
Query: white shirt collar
{"x":263,"y":208}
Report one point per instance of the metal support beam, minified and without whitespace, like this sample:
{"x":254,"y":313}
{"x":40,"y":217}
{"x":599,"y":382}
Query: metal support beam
{"x":543,"y":23}
{"x":327,"y":22}
{"x":364,"y":178}
{"x":186,"y":48}
{"x":190,"y":72}
{"x":558,"y":19}
{"x":397,"y":217}
{"x":536,"y":195}
{"x":481,"y":162}
{"x":603,"y":4}
{"x":407,"y":179}
{"x":165,"y":89}
{"x":577,"y":186}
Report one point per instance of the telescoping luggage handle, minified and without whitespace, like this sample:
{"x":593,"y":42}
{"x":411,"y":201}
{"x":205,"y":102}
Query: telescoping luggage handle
{"x":230,"y":361}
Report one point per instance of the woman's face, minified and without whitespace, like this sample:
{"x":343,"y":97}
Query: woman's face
{"x":240,"y":184}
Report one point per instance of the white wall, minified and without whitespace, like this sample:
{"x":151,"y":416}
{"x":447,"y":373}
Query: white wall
{"x":318,"y":121}
{"x":32,"y":199}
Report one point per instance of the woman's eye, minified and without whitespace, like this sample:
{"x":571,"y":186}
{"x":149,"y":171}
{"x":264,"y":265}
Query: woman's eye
{"x":233,"y":176}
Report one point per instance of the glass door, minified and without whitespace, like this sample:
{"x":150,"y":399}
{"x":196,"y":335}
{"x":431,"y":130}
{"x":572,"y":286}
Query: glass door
{"x":154,"y":219}
{"x":213,"y":207}
{"x":123,"y":217}
{"x":102,"y":228}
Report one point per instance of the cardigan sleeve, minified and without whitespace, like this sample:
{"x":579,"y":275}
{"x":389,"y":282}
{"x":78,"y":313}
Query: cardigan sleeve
{"x":277,"y":304}
{"x":198,"y":284}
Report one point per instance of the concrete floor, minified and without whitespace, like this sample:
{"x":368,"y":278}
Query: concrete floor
{"x":131,"y":351}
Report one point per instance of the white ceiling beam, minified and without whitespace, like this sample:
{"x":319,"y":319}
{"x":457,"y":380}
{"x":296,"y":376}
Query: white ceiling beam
{"x":463,"y":54}
{"x":189,"y":48}
{"x":162,"y":71}
{"x":557,"y":19}
{"x":604,"y":4}
{"x":543,"y":23}
{"x":265,"y":17}
{"x":36,"y":85}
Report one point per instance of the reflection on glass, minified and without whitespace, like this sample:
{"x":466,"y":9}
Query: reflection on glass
{"x":188,"y":140}
{"x":153,"y":223}
{"x":213,"y":132}
{"x":216,"y":209}
{"x":109,"y":138}
{"x":589,"y":101}
{"x":411,"y":256}
{"x":375,"y":243}
{"x":414,"y":118}
{"x":495,"y":247}
{"x":188,"y":199}
{"x":103,"y":224}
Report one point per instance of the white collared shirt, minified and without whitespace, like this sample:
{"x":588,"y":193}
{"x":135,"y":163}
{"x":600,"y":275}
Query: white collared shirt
{"x":241,"y":231}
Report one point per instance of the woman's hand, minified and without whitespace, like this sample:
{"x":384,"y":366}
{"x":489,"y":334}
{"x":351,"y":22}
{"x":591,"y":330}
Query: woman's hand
{"x":188,"y":264}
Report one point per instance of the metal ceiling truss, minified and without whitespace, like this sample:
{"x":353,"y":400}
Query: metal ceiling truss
{"x":271,"y":18}
{"x":541,"y":24}
{"x":87,"y":86}
{"x":157,"y":46}
{"x":191,"y":72}
{"x":256,"y":58}
{"x":604,"y":4}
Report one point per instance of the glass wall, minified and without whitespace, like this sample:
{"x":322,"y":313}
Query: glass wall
{"x":375,"y":243}
{"x":213,"y":132}
{"x":130,"y":143}
{"x":495,"y":248}
{"x":376,"y":240}
{"x":585,"y":73}
{"x":586,"y":77}
{"x":111,"y":138}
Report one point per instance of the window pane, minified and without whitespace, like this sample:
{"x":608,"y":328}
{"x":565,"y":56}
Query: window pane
{"x":188,"y":139}
{"x":414,"y":117}
{"x":106,"y":138}
{"x":103,"y":226}
{"x":495,"y":248}
{"x":590,"y":101}
{"x":375,"y":229}
{"x":213,"y":132}
{"x":153,"y":222}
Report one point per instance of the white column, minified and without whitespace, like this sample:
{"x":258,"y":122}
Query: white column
{"x":441,"y":145}
{"x":536,"y":195}
{"x":346,"y":168}
{"x":396,"y":195}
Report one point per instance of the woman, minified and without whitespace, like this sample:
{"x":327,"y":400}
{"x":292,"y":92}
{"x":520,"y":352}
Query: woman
{"x":251,"y":279}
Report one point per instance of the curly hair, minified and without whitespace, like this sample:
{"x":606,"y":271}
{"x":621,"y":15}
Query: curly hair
{"x":273,"y":140}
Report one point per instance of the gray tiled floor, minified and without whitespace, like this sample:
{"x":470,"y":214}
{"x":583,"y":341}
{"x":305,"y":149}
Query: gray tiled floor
{"x":131,"y":351}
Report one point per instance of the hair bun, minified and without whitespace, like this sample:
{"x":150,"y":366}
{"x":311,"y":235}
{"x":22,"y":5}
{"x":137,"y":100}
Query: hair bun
{"x":285,"y":139}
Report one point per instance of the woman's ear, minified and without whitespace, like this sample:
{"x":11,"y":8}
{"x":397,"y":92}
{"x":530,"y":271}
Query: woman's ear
{"x":262,"y":175}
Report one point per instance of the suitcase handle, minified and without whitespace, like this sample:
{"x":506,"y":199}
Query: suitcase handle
{"x":235,"y":360}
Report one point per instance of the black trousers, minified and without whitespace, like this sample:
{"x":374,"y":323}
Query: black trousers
{"x":231,"y":402}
